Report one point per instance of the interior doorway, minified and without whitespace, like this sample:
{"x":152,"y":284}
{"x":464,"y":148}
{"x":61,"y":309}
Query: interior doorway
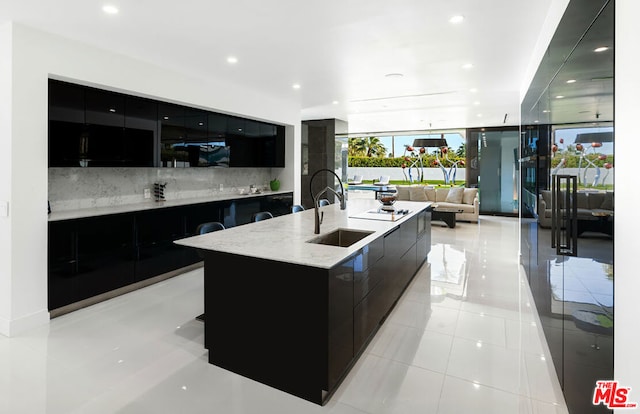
{"x":497,"y":169}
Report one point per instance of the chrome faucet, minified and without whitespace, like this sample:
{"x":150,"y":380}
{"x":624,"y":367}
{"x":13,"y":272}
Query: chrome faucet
{"x":316,"y":199}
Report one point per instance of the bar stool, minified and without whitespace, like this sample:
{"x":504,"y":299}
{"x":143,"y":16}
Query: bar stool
{"x":296,"y":208}
{"x":262,"y":215}
{"x":323,"y":202}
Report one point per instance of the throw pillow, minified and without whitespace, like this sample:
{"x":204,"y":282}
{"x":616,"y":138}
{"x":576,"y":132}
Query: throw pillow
{"x":416,"y":193}
{"x":430,"y":192}
{"x":469,"y":195}
{"x":403,"y":192}
{"x":607,"y":204}
{"x":583,"y":200}
{"x":455,"y":195}
{"x":441,"y":194}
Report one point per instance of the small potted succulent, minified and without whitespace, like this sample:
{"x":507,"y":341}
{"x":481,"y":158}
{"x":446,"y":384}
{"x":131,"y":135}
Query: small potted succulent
{"x":274,"y":184}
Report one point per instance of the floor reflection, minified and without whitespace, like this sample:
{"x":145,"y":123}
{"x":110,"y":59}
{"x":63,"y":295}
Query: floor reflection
{"x":449,"y":272}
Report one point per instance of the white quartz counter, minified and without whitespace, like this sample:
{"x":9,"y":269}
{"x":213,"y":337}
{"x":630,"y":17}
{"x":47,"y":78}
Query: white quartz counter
{"x":284,"y":238}
{"x":151,"y":205}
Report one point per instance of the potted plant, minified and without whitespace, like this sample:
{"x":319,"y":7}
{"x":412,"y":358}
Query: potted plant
{"x":274,"y":184}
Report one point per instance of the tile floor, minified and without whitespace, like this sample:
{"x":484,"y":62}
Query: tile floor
{"x":464,"y":338}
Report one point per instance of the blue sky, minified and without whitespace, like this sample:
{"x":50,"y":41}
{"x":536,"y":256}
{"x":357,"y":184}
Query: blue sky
{"x":568,"y":135}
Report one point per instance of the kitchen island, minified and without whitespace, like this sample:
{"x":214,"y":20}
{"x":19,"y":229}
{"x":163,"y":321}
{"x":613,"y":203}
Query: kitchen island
{"x":291,"y":312}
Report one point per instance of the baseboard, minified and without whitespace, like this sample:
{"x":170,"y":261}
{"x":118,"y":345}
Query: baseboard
{"x":17,"y":326}
{"x":121,"y":291}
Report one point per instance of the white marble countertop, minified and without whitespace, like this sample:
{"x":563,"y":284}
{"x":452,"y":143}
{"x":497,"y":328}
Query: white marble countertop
{"x":151,"y":204}
{"x":284,"y":238}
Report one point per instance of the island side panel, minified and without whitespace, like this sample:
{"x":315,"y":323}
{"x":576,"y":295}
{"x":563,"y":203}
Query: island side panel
{"x":267,"y":320}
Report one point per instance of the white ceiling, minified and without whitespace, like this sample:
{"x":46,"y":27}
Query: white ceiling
{"x":337,"y":50}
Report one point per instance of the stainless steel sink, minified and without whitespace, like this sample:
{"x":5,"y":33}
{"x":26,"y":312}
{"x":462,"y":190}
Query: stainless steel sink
{"x":341,"y":237}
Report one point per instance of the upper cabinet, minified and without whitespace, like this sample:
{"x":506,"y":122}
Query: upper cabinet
{"x":89,"y":127}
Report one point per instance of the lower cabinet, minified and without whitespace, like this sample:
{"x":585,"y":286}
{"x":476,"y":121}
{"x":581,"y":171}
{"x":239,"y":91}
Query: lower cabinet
{"x":88,"y":257}
{"x":300,"y":328}
{"x":91,"y":256}
{"x":155,"y":232}
{"x":340,"y":327}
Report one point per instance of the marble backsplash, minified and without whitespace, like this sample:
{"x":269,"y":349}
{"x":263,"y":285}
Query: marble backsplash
{"x":78,"y":188}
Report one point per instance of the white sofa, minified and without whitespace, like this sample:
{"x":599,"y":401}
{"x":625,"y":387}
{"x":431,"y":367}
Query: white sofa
{"x":588,"y":202}
{"x":465,"y":199}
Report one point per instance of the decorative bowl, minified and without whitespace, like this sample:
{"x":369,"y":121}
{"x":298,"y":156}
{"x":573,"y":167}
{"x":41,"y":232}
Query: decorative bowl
{"x":387,"y":199}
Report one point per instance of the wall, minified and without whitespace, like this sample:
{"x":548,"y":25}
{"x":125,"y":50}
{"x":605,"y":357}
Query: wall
{"x":430,"y":174}
{"x":5,"y":173}
{"x":627,"y":225}
{"x":38,"y":56}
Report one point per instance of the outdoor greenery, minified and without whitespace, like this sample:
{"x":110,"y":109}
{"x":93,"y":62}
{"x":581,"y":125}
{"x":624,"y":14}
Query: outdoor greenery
{"x":427,"y":160}
{"x":370,"y":152}
{"x":572,"y":158}
{"x":367,"y":147}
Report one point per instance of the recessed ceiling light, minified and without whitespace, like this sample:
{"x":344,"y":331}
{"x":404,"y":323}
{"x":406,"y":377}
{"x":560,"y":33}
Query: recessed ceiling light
{"x":546,"y":111}
{"x":571,"y":81}
{"x":467,"y":66}
{"x":166,"y":117}
{"x":200,"y":123}
{"x":110,"y":9}
{"x":559,"y":96}
{"x":536,"y":121}
{"x":473,"y":90}
{"x":456,"y":19}
{"x":393,"y":75}
{"x":601,"y":49}
{"x":479,"y":115}
{"x":476,"y":103}
{"x":296,"y":86}
{"x":232,"y":59}
{"x":335,"y":102}
{"x":112,"y":109}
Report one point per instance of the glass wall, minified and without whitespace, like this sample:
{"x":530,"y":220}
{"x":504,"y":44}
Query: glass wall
{"x":396,"y":142}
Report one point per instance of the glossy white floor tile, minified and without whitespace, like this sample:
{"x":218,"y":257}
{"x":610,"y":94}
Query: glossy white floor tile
{"x":464,"y":338}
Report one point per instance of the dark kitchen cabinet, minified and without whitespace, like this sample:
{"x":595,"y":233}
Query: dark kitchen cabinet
{"x":66,"y":102}
{"x":88,"y":257}
{"x":340,"y":326}
{"x":105,"y":254}
{"x":155,"y":233}
{"x":423,"y":245}
{"x":255,"y":144}
{"x":90,"y":127}
{"x":104,"y":108}
{"x":62,"y":263}
{"x":141,"y":131}
{"x":171,"y":121}
{"x":278,"y":205}
{"x":368,"y":292}
{"x":95,"y":255}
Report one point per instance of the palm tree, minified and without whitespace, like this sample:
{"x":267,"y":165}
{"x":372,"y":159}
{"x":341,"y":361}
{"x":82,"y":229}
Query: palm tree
{"x":367,"y":147}
{"x":461,"y":151}
{"x":357,"y":147}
